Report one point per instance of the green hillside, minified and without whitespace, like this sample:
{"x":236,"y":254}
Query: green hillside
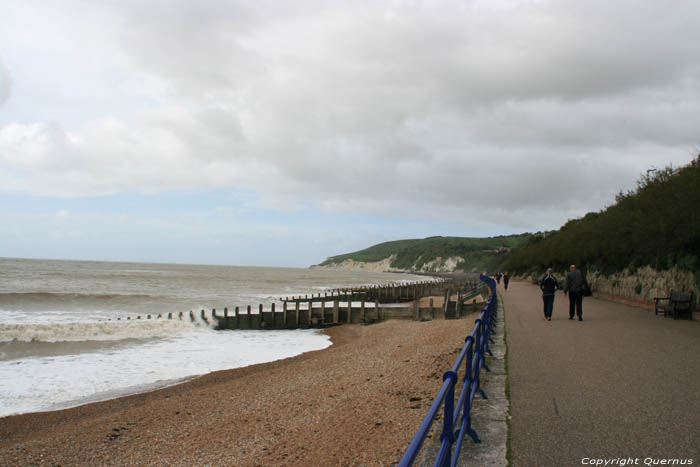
{"x":482,"y":254}
{"x":657,"y":224}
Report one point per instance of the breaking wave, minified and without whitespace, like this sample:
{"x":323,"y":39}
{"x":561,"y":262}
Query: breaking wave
{"x":97,"y":331}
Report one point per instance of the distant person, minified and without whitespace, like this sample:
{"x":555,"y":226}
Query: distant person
{"x":498,"y":277}
{"x":575,"y":286}
{"x":549,"y":285}
{"x":506,"y":278}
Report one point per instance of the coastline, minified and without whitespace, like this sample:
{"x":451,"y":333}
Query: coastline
{"x":358,"y":401}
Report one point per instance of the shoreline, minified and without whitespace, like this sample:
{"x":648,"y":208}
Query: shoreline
{"x":358,"y":401}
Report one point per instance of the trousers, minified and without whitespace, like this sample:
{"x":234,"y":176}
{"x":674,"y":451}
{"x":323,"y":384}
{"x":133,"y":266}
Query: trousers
{"x":548,"y":305}
{"x":575,"y":304}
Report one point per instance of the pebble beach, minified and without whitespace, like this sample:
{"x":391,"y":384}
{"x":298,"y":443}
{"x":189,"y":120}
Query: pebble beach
{"x":358,"y":402}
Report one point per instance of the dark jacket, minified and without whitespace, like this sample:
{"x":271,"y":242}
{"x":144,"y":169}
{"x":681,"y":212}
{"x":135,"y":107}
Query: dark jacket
{"x":574,"y":282}
{"x":549,"y":284}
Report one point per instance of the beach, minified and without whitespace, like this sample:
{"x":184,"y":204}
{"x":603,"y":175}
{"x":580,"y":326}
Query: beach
{"x":73,"y":332}
{"x":357,"y":402}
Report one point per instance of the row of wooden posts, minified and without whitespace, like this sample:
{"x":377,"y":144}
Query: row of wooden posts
{"x":345,"y":306}
{"x":389,"y":293}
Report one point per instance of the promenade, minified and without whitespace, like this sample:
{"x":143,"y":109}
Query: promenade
{"x":623,"y":384}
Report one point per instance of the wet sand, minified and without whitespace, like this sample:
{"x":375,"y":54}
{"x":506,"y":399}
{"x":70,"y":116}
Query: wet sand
{"x":358,"y":402}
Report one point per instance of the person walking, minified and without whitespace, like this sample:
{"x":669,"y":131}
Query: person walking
{"x":549,"y":285}
{"x":575,"y":286}
{"x":506,"y":278}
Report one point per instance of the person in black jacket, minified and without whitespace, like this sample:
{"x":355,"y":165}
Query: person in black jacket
{"x":575,"y":285}
{"x":549,"y":285}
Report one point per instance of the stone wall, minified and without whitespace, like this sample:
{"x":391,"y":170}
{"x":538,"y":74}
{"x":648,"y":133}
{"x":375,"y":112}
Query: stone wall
{"x":645,"y":284}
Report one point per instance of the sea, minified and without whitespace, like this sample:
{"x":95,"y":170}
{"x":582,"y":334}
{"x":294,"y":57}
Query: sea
{"x":65,"y":339}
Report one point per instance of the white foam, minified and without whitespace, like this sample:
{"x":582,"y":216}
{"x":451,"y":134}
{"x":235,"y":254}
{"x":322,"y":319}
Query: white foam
{"x":35,"y":384}
{"x":93,"y":331}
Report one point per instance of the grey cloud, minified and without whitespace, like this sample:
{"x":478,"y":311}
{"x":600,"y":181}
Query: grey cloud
{"x":541,"y":109}
{"x":5,"y":83}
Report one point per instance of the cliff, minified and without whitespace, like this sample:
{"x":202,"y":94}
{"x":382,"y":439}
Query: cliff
{"x":430,"y":255}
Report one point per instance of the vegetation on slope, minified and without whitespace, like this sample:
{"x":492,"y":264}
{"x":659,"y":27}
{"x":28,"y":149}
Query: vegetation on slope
{"x":479,"y":253}
{"x":656,"y":224}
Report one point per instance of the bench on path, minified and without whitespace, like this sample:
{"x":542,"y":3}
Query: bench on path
{"x":679,"y":303}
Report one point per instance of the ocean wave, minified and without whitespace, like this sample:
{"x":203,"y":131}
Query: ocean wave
{"x":97,"y":331}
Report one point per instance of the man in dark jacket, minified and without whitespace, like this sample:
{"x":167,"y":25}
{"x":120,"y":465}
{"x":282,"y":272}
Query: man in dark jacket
{"x":574,"y":286}
{"x":549,"y":285}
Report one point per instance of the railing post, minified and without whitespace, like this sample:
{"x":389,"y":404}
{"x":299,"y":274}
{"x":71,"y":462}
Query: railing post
{"x":448,"y":435}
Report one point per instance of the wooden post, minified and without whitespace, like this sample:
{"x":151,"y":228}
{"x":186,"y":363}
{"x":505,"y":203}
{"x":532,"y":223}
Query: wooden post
{"x":416,"y":309}
{"x":323,"y":311}
{"x":432,"y":310}
{"x":376,"y":309}
{"x":261,"y":324}
{"x":284,"y":314}
{"x":336,"y":309}
{"x":236,"y":311}
{"x":170,"y":315}
{"x":447,"y":301}
{"x":250,"y":318}
{"x":349,"y":300}
{"x":274,"y":321}
{"x":297,"y":308}
{"x":362,"y":310}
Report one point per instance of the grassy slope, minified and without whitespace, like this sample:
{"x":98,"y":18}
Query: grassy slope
{"x":479,"y":253}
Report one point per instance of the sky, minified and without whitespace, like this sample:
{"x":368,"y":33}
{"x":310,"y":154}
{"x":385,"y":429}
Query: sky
{"x":277,"y":133}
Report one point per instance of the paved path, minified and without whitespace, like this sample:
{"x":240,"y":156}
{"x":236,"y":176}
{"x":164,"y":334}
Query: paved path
{"x":623,"y":383}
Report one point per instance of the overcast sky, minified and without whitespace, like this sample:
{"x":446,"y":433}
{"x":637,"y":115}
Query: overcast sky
{"x":280,"y":133}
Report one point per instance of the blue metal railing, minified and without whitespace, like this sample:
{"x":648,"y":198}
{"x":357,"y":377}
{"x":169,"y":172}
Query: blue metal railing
{"x":473,"y":355}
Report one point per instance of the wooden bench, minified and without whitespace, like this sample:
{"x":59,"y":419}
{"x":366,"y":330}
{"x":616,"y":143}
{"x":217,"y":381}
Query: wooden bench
{"x":679,"y":303}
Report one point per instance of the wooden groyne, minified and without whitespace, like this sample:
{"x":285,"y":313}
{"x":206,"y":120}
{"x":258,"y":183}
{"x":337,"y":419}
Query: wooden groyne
{"x":420,"y":301}
{"x":390,"y":293}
